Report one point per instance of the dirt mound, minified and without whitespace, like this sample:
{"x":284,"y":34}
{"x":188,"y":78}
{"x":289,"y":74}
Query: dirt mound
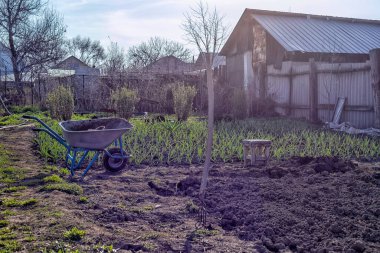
{"x":114,"y":215}
{"x":303,"y":205}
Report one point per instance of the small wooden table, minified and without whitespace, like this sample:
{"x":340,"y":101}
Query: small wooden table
{"x":256,"y":150}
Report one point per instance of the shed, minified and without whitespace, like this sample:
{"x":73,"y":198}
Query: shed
{"x":272,"y":55}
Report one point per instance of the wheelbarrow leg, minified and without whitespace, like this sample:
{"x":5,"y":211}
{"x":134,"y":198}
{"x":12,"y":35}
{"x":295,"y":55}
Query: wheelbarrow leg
{"x":90,"y":164}
{"x":73,"y":159}
{"x":82,"y":159}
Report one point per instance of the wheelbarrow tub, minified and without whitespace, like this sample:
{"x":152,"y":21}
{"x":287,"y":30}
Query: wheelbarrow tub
{"x":94,"y":134}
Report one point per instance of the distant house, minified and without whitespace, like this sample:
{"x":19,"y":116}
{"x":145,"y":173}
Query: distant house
{"x":81,"y":78}
{"x":74,"y":66}
{"x":200,"y":63}
{"x":5,"y":61}
{"x":304,"y":63}
{"x":169,"y":65}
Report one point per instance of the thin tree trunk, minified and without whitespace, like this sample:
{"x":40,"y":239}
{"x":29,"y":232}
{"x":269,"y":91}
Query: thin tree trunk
{"x":4,"y":106}
{"x":210,"y":124}
{"x":16,"y":71}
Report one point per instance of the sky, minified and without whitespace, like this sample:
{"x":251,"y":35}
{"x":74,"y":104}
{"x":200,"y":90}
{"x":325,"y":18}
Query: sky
{"x":130,"y":22}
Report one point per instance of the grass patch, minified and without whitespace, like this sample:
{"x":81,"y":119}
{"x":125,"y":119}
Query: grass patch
{"x":104,"y":248}
{"x":191,"y":207}
{"x":6,"y":234}
{"x":9,"y":246}
{"x":151,"y":236}
{"x":19,"y":203}
{"x":53,"y":179}
{"x":83,"y":200}
{"x":200,"y":233}
{"x":4,"y":223}
{"x":74,"y":234}
{"x":30,"y":238}
{"x":57,"y":214}
{"x":9,"y":175}
{"x":13,"y":189}
{"x":4,"y":157}
{"x":149,"y":246}
{"x":7,"y":212}
{"x":56,"y":169}
{"x":10,"y":120}
{"x":15,"y":119}
{"x":69,"y":188}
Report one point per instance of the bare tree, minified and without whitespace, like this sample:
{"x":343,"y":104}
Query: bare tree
{"x":115,"y":59}
{"x":32,"y":33}
{"x":88,"y":51}
{"x":205,"y":29}
{"x":155,"y":48}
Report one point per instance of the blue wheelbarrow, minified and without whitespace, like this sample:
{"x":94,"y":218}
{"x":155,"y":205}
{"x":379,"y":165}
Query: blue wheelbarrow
{"x":83,"y":136}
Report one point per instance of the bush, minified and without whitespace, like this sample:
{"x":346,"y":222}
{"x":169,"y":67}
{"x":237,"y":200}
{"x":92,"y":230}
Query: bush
{"x":60,"y":103}
{"x":264,"y":107}
{"x":183,"y":100}
{"x":124,"y":101}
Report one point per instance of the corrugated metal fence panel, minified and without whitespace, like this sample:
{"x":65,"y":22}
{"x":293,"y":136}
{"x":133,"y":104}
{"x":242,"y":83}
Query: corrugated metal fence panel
{"x":278,"y":86}
{"x":300,"y":96}
{"x":354,"y":84}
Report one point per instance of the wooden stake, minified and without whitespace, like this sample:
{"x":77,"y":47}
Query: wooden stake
{"x":374,"y":57}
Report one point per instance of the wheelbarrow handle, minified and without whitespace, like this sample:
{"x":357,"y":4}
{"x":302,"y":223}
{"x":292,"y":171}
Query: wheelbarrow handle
{"x":38,"y":130}
{"x":28,"y":117}
{"x":46,"y":129}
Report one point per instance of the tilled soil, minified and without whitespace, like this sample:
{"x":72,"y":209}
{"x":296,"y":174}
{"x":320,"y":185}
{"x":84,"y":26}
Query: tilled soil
{"x":296,"y":205}
{"x":299,"y":205}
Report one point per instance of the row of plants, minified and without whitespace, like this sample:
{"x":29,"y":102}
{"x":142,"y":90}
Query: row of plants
{"x":175,"y":142}
{"x":183,"y":142}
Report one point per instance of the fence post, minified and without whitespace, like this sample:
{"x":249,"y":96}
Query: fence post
{"x":374,"y":57}
{"x":39,"y":88}
{"x":290,"y":98}
{"x":313,"y":90}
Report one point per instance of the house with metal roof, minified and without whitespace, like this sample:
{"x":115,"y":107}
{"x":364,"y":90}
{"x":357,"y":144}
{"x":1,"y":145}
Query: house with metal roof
{"x":5,"y":61}
{"x":266,"y":47}
{"x":169,"y":65}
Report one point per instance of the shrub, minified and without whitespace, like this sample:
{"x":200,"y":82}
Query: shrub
{"x":60,"y":103}
{"x":124,"y":101}
{"x":264,"y":107}
{"x":183,"y":96}
{"x":222,"y":102}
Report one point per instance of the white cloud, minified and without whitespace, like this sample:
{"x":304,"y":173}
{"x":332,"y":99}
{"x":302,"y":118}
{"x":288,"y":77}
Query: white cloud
{"x":130,"y":22}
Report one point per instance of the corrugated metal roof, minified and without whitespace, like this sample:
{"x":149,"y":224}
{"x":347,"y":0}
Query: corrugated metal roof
{"x":5,"y":63}
{"x":311,"y":34}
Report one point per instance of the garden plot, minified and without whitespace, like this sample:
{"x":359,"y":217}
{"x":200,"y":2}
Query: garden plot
{"x":293,"y":204}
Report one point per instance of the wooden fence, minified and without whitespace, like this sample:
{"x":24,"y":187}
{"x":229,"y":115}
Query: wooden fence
{"x":310,"y":90}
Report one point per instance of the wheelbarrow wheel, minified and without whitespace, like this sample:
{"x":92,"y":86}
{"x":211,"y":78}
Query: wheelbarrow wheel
{"x":114,"y":164}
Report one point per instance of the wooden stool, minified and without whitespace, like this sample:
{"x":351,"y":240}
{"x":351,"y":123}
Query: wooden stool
{"x":256,"y":150}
